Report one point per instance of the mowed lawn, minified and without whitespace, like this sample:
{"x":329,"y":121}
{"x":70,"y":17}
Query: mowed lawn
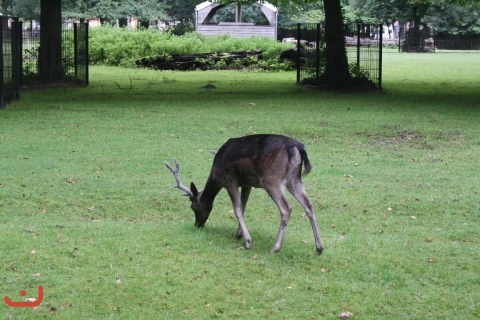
{"x":87,"y":208}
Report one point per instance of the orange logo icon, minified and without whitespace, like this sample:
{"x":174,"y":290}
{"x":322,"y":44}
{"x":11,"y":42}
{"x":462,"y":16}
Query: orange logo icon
{"x":23,"y":293}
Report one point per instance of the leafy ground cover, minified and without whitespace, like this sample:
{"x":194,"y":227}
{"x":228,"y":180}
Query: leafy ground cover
{"x":121,"y":47}
{"x":88,"y":210}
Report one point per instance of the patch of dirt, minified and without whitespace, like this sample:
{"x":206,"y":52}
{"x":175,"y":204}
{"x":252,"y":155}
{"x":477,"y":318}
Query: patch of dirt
{"x":395,"y":136}
{"x":400,"y":138}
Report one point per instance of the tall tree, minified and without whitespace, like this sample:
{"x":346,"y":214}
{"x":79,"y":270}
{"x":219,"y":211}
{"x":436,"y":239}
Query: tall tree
{"x":337,"y":74}
{"x":50,"y":51}
{"x":181,"y":10}
{"x":28,"y":9}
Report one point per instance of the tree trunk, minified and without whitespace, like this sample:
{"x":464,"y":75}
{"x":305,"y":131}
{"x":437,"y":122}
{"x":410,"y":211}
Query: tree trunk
{"x":414,"y":41}
{"x":50,"y":51}
{"x":337,"y":74}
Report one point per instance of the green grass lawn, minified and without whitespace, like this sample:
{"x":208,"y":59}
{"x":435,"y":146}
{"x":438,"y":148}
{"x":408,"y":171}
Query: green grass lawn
{"x":88,"y":210}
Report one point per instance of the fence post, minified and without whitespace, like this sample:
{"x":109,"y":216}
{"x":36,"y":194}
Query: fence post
{"x":380,"y":57}
{"x":20,"y":54}
{"x":75,"y":49}
{"x":317,"y":52}
{"x":2,"y":85}
{"x":16,"y":42}
{"x":400,"y":33}
{"x":87,"y":57}
{"x":358,"y":46}
{"x":298,"y":52}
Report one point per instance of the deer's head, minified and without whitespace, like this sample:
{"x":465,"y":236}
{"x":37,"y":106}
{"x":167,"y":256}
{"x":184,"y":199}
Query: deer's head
{"x":201,"y":208}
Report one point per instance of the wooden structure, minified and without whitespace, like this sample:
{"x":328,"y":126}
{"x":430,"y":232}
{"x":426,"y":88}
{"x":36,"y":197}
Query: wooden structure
{"x":206,"y":10}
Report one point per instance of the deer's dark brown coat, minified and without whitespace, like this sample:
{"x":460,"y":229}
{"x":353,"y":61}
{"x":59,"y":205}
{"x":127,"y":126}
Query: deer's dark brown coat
{"x":271,"y":162}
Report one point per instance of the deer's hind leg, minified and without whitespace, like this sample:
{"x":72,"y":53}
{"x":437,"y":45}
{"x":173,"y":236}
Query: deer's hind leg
{"x":297,"y":190}
{"x":278,"y":196}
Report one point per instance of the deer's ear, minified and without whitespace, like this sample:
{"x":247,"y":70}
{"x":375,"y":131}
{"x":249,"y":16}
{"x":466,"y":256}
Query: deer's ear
{"x":194,"y":190}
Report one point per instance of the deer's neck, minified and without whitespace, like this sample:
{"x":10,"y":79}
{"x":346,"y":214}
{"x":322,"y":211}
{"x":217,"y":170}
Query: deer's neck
{"x":212,"y":188}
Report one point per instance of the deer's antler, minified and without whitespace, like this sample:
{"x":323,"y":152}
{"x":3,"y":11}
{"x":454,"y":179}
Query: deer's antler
{"x":176,"y":175}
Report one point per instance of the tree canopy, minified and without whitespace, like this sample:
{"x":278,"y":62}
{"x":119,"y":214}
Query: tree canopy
{"x":449,"y":16}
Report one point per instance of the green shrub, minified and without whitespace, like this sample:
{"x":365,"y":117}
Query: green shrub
{"x":121,"y":47}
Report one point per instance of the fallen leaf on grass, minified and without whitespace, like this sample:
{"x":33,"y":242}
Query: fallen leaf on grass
{"x":345,"y":315}
{"x":36,"y":275}
{"x":71,"y":180}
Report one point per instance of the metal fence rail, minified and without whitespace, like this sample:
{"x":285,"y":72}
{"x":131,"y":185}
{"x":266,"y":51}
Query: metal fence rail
{"x":368,"y":52}
{"x":19,"y":56}
{"x":74,"y":53}
{"x":364,"y":53}
{"x":10,"y":64}
{"x":309,"y":60}
{"x":81,"y":58}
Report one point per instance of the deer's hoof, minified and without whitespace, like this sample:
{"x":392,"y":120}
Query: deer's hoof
{"x":319,"y":251}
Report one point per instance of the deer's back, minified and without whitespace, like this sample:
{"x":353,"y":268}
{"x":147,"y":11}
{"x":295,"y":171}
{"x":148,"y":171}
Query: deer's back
{"x":249,"y":159}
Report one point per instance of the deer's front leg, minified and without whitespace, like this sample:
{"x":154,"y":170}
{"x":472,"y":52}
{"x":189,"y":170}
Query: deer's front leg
{"x":244,"y":198}
{"x":238,"y":208}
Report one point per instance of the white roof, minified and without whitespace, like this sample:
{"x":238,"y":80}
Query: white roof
{"x":202,"y":5}
{"x":205,"y":4}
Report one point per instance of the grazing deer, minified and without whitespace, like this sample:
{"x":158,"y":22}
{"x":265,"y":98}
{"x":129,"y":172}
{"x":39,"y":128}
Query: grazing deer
{"x":271,"y":162}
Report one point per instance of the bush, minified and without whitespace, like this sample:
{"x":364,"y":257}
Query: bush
{"x":121,"y":47}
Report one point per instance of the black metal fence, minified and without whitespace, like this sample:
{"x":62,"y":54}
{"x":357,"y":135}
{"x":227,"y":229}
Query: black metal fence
{"x":364,"y":53}
{"x":74,"y":53}
{"x":364,"y":49}
{"x":19,"y":56}
{"x":454,"y":42}
{"x":10,"y":60}
{"x":310,"y":60}
{"x":415,"y":39}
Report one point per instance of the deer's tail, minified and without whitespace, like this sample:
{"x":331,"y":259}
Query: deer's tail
{"x":303,"y":156}
{"x":306,"y":162}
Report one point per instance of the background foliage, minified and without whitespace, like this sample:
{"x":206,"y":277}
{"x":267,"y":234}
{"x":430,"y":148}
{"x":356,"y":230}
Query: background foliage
{"x":449,"y":16}
{"x":119,"y":46}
